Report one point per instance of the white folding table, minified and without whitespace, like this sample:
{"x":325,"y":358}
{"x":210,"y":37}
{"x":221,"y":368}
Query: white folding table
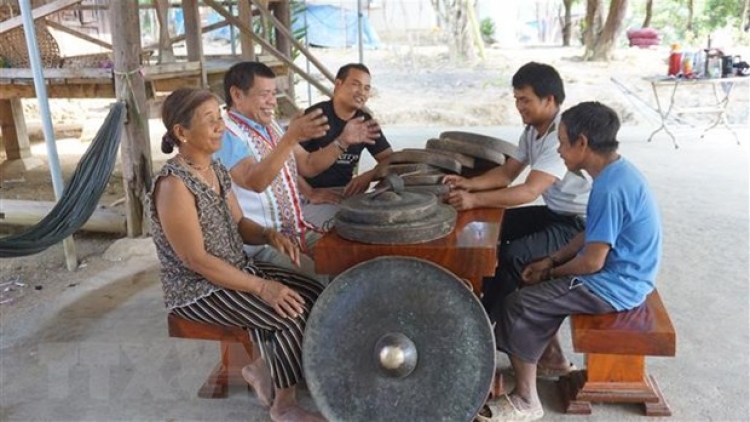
{"x":715,"y":103}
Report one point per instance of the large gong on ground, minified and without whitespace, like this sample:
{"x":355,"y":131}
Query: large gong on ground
{"x":398,"y":339}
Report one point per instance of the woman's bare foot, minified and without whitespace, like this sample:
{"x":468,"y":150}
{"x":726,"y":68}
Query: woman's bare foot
{"x":258,"y":376}
{"x":295,"y":413}
{"x":286,"y":409}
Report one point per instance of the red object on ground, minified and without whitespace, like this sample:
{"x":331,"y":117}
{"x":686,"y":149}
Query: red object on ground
{"x":643,"y":37}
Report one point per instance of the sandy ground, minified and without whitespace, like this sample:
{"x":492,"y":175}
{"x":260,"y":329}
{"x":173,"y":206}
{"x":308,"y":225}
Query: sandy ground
{"x":702,"y":187}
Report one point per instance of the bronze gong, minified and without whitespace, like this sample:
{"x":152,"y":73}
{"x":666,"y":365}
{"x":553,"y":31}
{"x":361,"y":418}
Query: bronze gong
{"x":398,"y":339}
{"x":473,"y":144}
{"x":394,"y":218}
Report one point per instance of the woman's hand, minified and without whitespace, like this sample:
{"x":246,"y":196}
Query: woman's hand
{"x":537,"y":270}
{"x":285,"y":301}
{"x":283,"y":245}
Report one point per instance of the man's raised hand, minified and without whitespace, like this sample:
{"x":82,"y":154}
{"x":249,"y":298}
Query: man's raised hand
{"x":310,"y":125}
{"x":360,"y":131}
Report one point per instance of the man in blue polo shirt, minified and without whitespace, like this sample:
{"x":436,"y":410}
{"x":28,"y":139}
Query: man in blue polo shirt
{"x":610,"y":267}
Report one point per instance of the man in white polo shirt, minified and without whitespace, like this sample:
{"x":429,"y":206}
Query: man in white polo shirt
{"x":528,"y":232}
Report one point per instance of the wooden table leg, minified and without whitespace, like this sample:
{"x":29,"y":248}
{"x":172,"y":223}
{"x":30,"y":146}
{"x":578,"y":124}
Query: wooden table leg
{"x":234,"y":357}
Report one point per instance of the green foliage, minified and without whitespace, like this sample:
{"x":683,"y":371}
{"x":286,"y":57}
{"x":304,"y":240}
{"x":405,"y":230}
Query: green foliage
{"x":722,"y":13}
{"x":670,"y":18}
{"x":487,"y":29}
{"x":296,"y":8}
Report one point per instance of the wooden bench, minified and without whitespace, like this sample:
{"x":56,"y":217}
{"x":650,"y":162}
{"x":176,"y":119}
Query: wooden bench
{"x":236,"y":352}
{"x":615,"y":347}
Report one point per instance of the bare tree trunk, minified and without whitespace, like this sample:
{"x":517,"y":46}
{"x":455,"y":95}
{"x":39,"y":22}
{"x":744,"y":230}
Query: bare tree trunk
{"x":453,"y":18}
{"x":690,"y":15}
{"x":605,"y":42}
{"x":567,"y":22}
{"x":593,"y":24}
{"x":745,"y":21}
{"x":649,"y":13}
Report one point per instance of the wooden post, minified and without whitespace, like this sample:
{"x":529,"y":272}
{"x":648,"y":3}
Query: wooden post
{"x":13,"y":125}
{"x":246,"y":42}
{"x":130,"y":87}
{"x":283,"y":14}
{"x":166,"y":52}
{"x":194,"y":36}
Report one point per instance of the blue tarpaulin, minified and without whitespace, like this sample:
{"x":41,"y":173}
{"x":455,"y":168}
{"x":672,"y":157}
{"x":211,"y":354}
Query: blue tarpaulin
{"x":327,"y":26}
{"x":331,"y":26}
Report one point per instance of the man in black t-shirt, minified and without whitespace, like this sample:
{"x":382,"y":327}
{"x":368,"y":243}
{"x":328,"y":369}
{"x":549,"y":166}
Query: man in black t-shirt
{"x":346,"y":120}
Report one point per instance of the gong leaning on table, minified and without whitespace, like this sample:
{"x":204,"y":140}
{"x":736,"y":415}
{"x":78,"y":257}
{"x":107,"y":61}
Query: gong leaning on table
{"x":398,"y":339}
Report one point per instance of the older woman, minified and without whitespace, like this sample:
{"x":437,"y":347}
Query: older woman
{"x":199,"y":230}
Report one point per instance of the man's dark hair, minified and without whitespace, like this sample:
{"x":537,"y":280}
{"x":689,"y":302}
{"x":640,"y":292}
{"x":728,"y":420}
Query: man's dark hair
{"x":542,"y":78}
{"x":242,"y":75}
{"x":596,"y":121}
{"x":345,"y":69}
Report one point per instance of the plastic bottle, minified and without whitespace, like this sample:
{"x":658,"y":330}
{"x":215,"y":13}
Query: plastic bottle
{"x":675,"y":60}
{"x":699,"y":64}
{"x":687,"y":65}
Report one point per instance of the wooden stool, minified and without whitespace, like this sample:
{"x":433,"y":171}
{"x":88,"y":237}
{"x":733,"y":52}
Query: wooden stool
{"x":236,"y":353}
{"x":615,"y":347}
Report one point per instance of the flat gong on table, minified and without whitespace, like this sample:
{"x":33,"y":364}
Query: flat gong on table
{"x":398,"y":339}
{"x":394,"y":218}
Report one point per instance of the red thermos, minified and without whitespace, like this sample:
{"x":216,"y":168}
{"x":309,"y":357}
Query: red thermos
{"x":675,"y":60}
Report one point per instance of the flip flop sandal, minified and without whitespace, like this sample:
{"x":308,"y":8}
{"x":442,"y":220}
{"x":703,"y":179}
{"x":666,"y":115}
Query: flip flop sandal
{"x":503,"y":410}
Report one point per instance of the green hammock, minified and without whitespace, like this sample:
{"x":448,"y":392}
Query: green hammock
{"x":80,"y":198}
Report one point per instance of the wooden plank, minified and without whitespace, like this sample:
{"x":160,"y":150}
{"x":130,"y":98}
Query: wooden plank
{"x":171,"y":70}
{"x":645,"y":330}
{"x":79,"y":34}
{"x":169,"y":85}
{"x":57,"y":73}
{"x":27,"y":213}
{"x":87,"y":90}
{"x":185,"y":328}
{"x":37,"y":13}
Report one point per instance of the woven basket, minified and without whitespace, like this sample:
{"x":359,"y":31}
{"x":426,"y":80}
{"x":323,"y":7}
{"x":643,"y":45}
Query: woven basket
{"x":13,"y":45}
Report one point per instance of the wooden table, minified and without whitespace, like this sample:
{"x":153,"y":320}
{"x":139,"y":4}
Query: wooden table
{"x":470,"y":251}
